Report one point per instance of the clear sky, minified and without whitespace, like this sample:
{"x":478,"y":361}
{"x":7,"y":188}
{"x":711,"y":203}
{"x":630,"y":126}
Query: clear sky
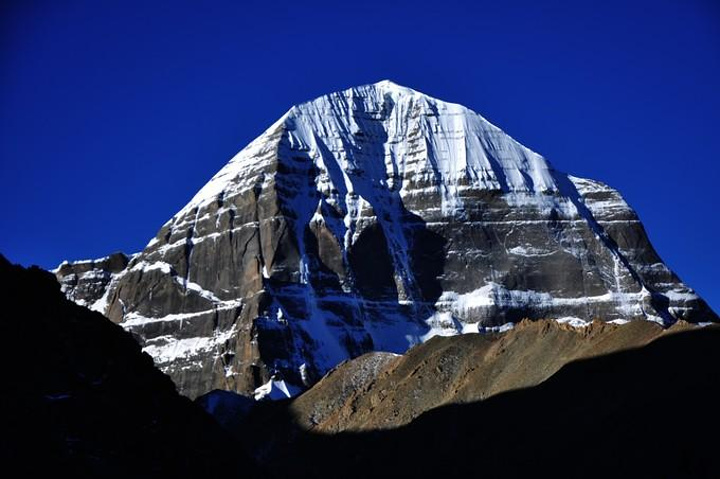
{"x":112,"y":114}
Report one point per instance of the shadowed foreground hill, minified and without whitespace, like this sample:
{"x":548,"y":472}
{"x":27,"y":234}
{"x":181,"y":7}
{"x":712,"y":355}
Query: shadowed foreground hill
{"x":648,"y":412}
{"x":79,"y":397}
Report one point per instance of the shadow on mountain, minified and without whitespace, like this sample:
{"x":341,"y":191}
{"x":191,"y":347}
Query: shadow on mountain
{"x":80,"y":398}
{"x":647,"y":412}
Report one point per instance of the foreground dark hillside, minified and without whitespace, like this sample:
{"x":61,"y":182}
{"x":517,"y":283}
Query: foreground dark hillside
{"x":648,"y":412}
{"x":79,"y":397}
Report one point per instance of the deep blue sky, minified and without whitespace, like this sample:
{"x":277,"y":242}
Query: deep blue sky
{"x":112,"y":114}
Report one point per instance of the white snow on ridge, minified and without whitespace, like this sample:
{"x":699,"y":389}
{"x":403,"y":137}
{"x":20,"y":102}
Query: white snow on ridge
{"x":619,"y":321}
{"x":459,"y":145}
{"x":442,"y":323}
{"x":493,"y":294}
{"x":452,"y":307}
{"x":503,"y":328}
{"x":145,"y":267}
{"x":166,"y":349}
{"x":530,"y":251}
{"x":276,"y":389}
{"x":87,"y":261}
{"x":574,"y":322}
{"x":196,"y":288}
{"x":680,"y":296}
{"x":134,"y":319}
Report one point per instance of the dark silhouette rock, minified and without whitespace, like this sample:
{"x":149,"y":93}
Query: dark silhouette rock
{"x":80,"y":399}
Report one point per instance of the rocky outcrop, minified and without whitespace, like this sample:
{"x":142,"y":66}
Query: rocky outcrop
{"x":373,"y":219}
{"x":80,"y":399}
{"x":383,"y":391}
{"x":87,"y":281}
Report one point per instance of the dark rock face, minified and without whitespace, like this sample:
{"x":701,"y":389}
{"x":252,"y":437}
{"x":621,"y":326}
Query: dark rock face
{"x":82,"y":400}
{"x":371,"y":220}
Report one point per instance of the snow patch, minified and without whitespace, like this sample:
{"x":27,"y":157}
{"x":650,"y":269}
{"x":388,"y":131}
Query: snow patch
{"x":529,"y":251}
{"x":276,"y":389}
{"x":619,"y":321}
{"x":166,"y":349}
{"x":134,"y":319}
{"x":496,"y":295}
{"x":196,"y":288}
{"x":574,"y":322}
{"x":680,"y":296}
{"x":442,"y":323}
{"x":503,"y":328}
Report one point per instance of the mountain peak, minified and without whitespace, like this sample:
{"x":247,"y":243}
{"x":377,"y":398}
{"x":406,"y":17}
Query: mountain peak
{"x":391,"y":85}
{"x":370,"y":94}
{"x":376,"y":93}
{"x":387,"y":84}
{"x":372,"y":219}
{"x":380,"y":129}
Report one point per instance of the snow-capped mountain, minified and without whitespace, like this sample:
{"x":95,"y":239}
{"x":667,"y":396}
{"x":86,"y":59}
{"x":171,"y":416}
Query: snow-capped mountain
{"x":373,"y":219}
